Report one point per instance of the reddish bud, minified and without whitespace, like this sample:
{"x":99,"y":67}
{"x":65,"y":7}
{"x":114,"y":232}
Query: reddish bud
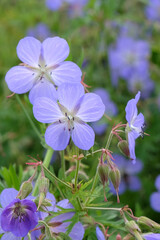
{"x":123,"y":147}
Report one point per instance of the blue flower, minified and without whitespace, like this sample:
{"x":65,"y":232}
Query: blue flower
{"x":152,"y":236}
{"x":40,"y":31}
{"x":43,"y":67}
{"x":54,"y":5}
{"x":128,"y":171}
{"x":155,"y":197}
{"x":152,"y":10}
{"x":17,"y":216}
{"x":135,"y":125}
{"x":69,"y":115}
{"x":99,"y":234}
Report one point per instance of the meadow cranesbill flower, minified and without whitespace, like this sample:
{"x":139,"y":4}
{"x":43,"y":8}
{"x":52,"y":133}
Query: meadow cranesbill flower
{"x":69,"y":115}
{"x":17,"y":217}
{"x":155,"y":197}
{"x":152,"y":10}
{"x":54,"y":5}
{"x":99,"y":234}
{"x":128,"y":171}
{"x":40,"y":31}
{"x":126,"y":57}
{"x":135,"y":125}
{"x":110,"y":109}
{"x":43,"y":68}
{"x":152,"y":236}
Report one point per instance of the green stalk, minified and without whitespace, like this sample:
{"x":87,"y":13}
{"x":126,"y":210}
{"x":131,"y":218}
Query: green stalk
{"x":101,"y":208}
{"x":57,"y":179}
{"x":29,"y":236}
{"x":76,"y":174}
{"x":46,"y":163}
{"x":63,"y":165}
{"x":29,"y":118}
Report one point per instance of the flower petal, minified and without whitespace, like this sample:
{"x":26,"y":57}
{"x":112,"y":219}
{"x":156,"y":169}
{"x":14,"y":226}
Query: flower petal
{"x":66,"y":72}
{"x":91,"y":108}
{"x":152,"y":236}
{"x":69,"y":94}
{"x":7,"y":196}
{"x":155,"y":201}
{"x":134,"y":183}
{"x":10,"y":236}
{"x":19,"y":79}
{"x":83,"y":136}
{"x":65,"y":216}
{"x":131,"y":169}
{"x":55,"y":50}
{"x":43,"y":89}
{"x":29,"y":50}
{"x":137,"y":97}
{"x":139,"y":121}
{"x":57,"y":136}
{"x":99,"y":234}
{"x":77,"y":231}
{"x":131,"y":111}
{"x":131,"y":143}
{"x":46,"y":110}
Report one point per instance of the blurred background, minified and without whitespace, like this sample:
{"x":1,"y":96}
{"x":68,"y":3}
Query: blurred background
{"x":117,"y":45}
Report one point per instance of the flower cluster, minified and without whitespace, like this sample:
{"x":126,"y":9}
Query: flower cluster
{"x":128,"y":59}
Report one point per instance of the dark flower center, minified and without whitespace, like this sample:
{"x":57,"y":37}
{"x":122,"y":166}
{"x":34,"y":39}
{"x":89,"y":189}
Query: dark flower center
{"x":19,"y":212}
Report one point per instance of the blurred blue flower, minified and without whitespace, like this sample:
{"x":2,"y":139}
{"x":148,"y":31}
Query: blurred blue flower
{"x":155,"y":197}
{"x":40,"y":31}
{"x":135,"y":125}
{"x":126,"y":57}
{"x":75,"y":7}
{"x":152,"y":10}
{"x":130,"y":29}
{"x":54,"y":5}
{"x":110,"y":109}
{"x":69,"y":116}
{"x":99,"y":234}
{"x":17,"y":217}
{"x":43,"y":67}
{"x":152,"y":236}
{"x":128,"y":171}
{"x":140,"y":81}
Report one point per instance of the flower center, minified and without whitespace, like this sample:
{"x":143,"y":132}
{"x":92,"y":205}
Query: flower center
{"x":18,"y":211}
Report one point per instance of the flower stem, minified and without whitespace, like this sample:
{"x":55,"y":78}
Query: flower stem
{"x":46,"y":163}
{"x":63,"y":165}
{"x":101,"y":208}
{"x":29,"y":118}
{"x":29,"y":236}
{"x":76,"y":174}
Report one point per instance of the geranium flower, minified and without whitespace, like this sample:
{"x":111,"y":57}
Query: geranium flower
{"x":155,"y":197}
{"x":68,"y":117}
{"x":43,"y":68}
{"x":17,"y":217}
{"x":152,"y":236}
{"x":135,"y":125}
{"x":99,"y":234}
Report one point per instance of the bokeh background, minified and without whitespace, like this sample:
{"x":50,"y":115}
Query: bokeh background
{"x":117,"y":45}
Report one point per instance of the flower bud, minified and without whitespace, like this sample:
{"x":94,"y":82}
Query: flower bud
{"x":123,"y":147}
{"x":115,"y":177}
{"x":148,"y":222}
{"x":43,"y":189}
{"x":103,"y":171}
{"x":25,"y":190}
{"x":134,"y":229}
{"x":118,"y":237}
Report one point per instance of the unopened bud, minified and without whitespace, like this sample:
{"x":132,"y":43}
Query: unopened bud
{"x":123,"y":147}
{"x":115,"y":177}
{"x":118,"y":237}
{"x":133,"y":228}
{"x":148,"y":222}
{"x":44,"y":185}
{"x":103,"y":171}
{"x":25,"y":190}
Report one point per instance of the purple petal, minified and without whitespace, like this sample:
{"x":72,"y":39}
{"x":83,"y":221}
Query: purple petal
{"x":65,"y":216}
{"x":43,"y":89}
{"x":1,"y":230}
{"x":99,"y":234}
{"x":57,"y":136}
{"x":7,"y":196}
{"x":46,"y":110}
{"x":29,"y":205}
{"x":137,"y":97}
{"x":139,"y":121}
{"x":77,"y":231}
{"x":69,"y":95}
{"x":131,"y":168}
{"x":132,"y":135}
{"x":152,"y":236}
{"x":131,"y":111}
{"x":134,"y":183}
{"x":66,"y":72}
{"x":29,"y":50}
{"x":83,"y":136}
{"x":91,"y":108}
{"x":64,"y":204}
{"x":55,"y":51}
{"x":53,"y":5}
{"x":155,"y":201}
{"x":60,"y":228}
{"x":157,"y":182}
{"x":10,"y":236}
{"x":19,"y":79}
